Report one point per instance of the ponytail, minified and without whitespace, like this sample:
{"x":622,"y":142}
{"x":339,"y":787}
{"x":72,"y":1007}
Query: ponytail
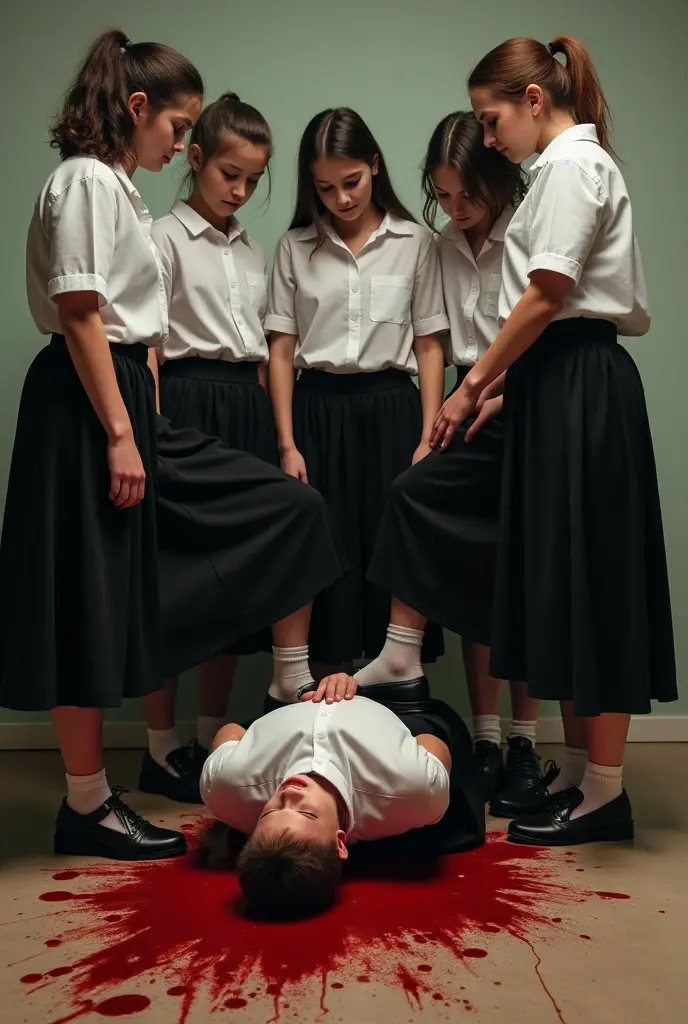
{"x":228,"y":116}
{"x":95,"y":118}
{"x":514,"y":65}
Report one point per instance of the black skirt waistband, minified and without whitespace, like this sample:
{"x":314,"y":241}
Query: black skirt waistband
{"x":211,"y":369}
{"x":579,"y":328}
{"x":138,"y":351}
{"x":353,"y":383}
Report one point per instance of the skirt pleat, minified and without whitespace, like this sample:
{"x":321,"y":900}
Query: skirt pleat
{"x":582,"y":608}
{"x":437,"y":544}
{"x":224,"y":400}
{"x":79,"y":611}
{"x":356,"y":432}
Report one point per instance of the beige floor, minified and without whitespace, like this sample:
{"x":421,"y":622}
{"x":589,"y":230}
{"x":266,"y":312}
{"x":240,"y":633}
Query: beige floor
{"x":502,"y":935}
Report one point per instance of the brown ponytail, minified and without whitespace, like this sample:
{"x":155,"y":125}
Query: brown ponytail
{"x":514,"y":65}
{"x":95,"y":119}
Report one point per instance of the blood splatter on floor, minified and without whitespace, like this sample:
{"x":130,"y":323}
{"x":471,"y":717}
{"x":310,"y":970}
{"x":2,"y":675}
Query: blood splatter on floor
{"x":180,"y":922}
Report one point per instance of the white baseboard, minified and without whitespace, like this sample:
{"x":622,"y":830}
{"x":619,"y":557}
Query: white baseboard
{"x":131,"y":735}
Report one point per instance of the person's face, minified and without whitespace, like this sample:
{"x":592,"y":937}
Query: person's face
{"x":158,"y":135}
{"x":512,"y":128}
{"x":454,"y":200}
{"x":305,"y":809}
{"x":230,"y":177}
{"x":344,"y":186}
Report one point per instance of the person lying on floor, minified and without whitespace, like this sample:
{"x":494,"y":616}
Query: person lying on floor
{"x":309,"y":779}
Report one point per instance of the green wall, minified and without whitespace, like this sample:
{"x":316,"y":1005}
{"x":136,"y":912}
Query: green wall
{"x":403,"y":65}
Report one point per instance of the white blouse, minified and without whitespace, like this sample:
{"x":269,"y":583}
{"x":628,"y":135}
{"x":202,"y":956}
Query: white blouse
{"x":91,"y":231}
{"x":577,"y":220}
{"x":357,"y":313}
{"x":216,"y":288}
{"x":471,"y":289}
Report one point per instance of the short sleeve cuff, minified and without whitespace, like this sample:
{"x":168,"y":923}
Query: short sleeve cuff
{"x":430,"y":325}
{"x":280,"y":324}
{"x":78,"y":283}
{"x":559,"y":264}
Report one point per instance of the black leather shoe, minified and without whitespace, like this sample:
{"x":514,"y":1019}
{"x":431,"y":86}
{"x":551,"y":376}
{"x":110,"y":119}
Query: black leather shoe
{"x":488,"y":760}
{"x":184,"y":787}
{"x":524,"y":791}
{"x":410,"y":691}
{"x":553,"y":827}
{"x":83,"y":835}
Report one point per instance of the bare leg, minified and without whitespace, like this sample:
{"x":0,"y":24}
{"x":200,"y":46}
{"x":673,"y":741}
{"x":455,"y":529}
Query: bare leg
{"x":215,"y":680}
{"x":293,"y":631}
{"x":402,"y":615}
{"x":484,"y":691}
{"x":575,"y":752}
{"x":523,"y":707}
{"x":607,"y":735}
{"x":158,"y":707}
{"x":80,"y":736}
{"x":575,"y":731}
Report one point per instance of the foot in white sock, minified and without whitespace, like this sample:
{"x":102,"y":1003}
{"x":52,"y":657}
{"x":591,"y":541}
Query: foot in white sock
{"x":162,"y":742}
{"x":398,"y":661}
{"x":572,"y":770}
{"x":487,"y":727}
{"x":525,"y":729}
{"x":290,"y":671}
{"x":86,"y":793}
{"x":601,"y":784}
{"x":207,"y":728}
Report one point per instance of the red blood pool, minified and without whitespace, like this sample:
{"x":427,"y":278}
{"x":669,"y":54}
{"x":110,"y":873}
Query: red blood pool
{"x":235,"y":1003}
{"x":556,"y":920}
{"x":122,"y":1006}
{"x":477,"y":953}
{"x":177,"y":990}
{"x":613,"y":895}
{"x":363,"y":978}
{"x":437,"y":995}
{"x":53,"y":943}
{"x":424,"y":967}
{"x":64,"y":876}
{"x":585,"y":936}
{"x":58,"y":896}
{"x":30,"y":979}
{"x":337,"y":984}
{"x":58,"y":972}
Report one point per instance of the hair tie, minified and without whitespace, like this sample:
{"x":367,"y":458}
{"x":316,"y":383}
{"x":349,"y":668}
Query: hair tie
{"x":126,"y":44}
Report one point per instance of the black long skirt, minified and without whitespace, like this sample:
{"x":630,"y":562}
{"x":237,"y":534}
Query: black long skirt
{"x":582,"y":609}
{"x":436,"y":548}
{"x":224,"y":400}
{"x":99,"y":604}
{"x":356,"y":432}
{"x":221,"y":399}
{"x":80,"y":619}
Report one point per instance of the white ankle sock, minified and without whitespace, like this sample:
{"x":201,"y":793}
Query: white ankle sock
{"x":572,"y":770}
{"x":487,"y":727}
{"x":398,"y":661}
{"x":290,"y":671}
{"x":601,"y":784}
{"x":207,"y":728}
{"x":162,"y":742}
{"x":525,"y":729}
{"x":86,"y":793}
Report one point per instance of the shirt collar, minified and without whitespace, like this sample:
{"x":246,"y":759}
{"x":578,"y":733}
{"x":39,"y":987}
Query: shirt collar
{"x":577,"y":133}
{"x":196,"y":225}
{"x":496,"y":234}
{"x":391,"y":224}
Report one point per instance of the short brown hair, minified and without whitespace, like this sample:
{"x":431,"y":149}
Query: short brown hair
{"x":282,"y":876}
{"x":95,"y":119}
{"x":514,"y":65}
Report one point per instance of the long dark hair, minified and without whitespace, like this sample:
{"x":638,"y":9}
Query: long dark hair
{"x":340,"y":132}
{"x":514,"y":65}
{"x":95,"y":119}
{"x":228,"y":115}
{"x":487,"y":176}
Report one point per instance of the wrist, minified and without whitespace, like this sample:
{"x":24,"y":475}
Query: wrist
{"x":118,"y":433}
{"x":285,"y":447}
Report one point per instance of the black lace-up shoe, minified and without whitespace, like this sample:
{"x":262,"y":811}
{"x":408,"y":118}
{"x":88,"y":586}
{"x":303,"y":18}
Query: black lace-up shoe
{"x":488,"y":760}
{"x":524,"y":790}
{"x":184,"y":787}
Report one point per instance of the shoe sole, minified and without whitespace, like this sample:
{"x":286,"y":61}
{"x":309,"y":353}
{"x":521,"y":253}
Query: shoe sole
{"x":610,"y":834}
{"x":72,"y":848}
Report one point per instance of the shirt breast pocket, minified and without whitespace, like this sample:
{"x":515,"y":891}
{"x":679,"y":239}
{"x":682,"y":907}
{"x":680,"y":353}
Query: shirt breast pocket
{"x":494,"y":286}
{"x":390,"y":298}
{"x":257,"y":291}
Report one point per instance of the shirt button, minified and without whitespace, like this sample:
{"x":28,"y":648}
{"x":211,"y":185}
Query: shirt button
{"x":355,"y":288}
{"x":320,"y":736}
{"x":233,"y":284}
{"x":317,"y":763}
{"x":240,"y":322}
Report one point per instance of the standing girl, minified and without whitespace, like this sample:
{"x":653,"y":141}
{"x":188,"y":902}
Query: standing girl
{"x":355,"y":308}
{"x":437,"y":545}
{"x":582,"y":606}
{"x":129,"y":550}
{"x":213,"y":372}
